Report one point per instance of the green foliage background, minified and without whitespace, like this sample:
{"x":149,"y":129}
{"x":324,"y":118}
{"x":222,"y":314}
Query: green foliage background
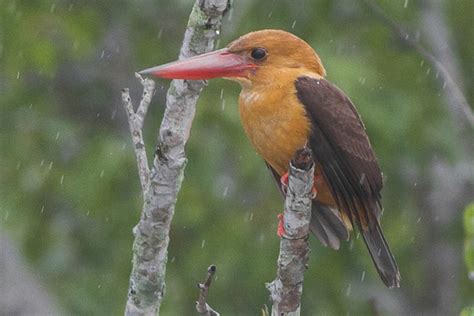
{"x":69,"y":188}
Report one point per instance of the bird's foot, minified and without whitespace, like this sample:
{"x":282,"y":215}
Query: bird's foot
{"x":281,"y":226}
{"x":284,"y":182}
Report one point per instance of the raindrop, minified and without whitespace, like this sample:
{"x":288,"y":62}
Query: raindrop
{"x":53,"y":7}
{"x":225,"y":191}
{"x":7,"y":214}
{"x":270,"y":14}
{"x":98,"y":114}
{"x":293,"y":25}
{"x":230,"y":14}
{"x":362,"y":179}
{"x":251,"y":216}
{"x":18,"y":166}
{"x":50,"y":165}
{"x":112,"y":117}
{"x":405,"y":5}
{"x":88,"y":212}
{"x":42,"y":163}
{"x":42,"y":209}
{"x":160,"y":33}
{"x":18,"y":75}
{"x":203,"y":243}
{"x":124,"y":146}
{"x":107,"y":219}
{"x":102,"y":173}
{"x":422,"y":63}
{"x":351,"y":245}
{"x":218,"y":32}
{"x":102,"y":54}
{"x":428,"y":71}
{"x":223,"y":105}
{"x":222,"y":94}
{"x":62,"y":179}
{"x":57,"y":136}
{"x":99,"y":286}
{"x":31,"y":106}
{"x":362,"y":278}
{"x":418,"y":220}
{"x":444,"y":84}
{"x":70,"y":7}
{"x":173,"y":259}
{"x":348,"y":290}
{"x":407,"y":36}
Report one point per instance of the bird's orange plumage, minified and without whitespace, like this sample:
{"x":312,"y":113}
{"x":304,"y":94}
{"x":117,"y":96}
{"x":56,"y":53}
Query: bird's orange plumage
{"x":275,"y":131}
{"x":286,"y":104}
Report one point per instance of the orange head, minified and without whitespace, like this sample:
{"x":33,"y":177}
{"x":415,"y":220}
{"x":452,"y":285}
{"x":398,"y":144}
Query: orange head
{"x":255,"y":57}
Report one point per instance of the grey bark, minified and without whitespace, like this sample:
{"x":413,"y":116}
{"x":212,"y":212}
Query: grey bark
{"x":147,"y":280}
{"x":287,"y":288}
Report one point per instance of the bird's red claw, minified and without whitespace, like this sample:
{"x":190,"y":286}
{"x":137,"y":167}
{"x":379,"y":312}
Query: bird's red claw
{"x":281,"y":226}
{"x":284,"y":182}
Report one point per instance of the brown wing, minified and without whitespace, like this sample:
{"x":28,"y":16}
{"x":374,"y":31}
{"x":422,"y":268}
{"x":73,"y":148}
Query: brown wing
{"x":341,"y":146}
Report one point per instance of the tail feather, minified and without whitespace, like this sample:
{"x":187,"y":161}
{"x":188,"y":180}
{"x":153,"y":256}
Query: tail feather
{"x":327,"y":225}
{"x":381,"y":255}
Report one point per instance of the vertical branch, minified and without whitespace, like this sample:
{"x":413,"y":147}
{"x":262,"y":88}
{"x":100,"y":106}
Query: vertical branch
{"x":150,"y":248}
{"x":201,"y":304}
{"x":286,"y":289}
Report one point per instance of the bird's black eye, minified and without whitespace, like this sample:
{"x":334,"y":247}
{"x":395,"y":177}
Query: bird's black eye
{"x":258,"y":53}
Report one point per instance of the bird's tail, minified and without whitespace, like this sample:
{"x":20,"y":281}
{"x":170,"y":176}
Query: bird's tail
{"x":327,"y":225}
{"x":381,"y":255}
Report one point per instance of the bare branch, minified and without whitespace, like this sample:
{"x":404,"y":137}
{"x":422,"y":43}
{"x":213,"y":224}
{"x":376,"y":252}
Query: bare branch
{"x":150,"y":248}
{"x":286,"y":289}
{"x":135,"y":123}
{"x":459,"y":107}
{"x":148,"y":91}
{"x":201,"y":305}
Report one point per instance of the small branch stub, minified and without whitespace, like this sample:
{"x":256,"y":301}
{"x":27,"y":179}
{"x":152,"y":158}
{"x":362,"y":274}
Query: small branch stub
{"x":286,"y":289}
{"x":201,"y":304}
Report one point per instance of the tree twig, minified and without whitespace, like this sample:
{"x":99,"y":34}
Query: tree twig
{"x":135,"y":123}
{"x":459,"y":107}
{"x":286,"y":289}
{"x":201,"y":304}
{"x":150,"y":247}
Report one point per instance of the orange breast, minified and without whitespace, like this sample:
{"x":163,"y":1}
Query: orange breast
{"x":276,"y":124}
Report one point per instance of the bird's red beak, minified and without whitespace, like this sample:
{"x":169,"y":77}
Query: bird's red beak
{"x":220,"y":63}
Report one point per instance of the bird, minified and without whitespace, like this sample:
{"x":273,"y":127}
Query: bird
{"x":285,"y":104}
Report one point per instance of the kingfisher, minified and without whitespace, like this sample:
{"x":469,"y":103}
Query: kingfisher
{"x":286,"y":104}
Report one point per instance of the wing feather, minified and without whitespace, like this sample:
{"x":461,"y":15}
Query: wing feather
{"x":348,"y":163}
